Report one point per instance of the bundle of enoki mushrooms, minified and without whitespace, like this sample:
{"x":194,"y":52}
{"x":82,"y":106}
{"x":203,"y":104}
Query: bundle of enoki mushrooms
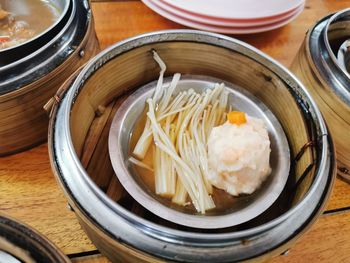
{"x":179,"y":124}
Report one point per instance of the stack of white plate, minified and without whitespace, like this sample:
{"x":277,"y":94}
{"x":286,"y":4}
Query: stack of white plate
{"x":229,"y":16}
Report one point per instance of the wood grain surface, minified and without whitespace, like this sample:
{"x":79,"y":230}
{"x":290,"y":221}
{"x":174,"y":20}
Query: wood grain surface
{"x":29,"y":192}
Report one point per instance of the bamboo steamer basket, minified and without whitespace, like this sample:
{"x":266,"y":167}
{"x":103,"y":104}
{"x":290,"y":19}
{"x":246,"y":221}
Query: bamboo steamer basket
{"x":27,"y":83}
{"x":20,"y":242}
{"x":121,"y":228}
{"x":317,"y":67}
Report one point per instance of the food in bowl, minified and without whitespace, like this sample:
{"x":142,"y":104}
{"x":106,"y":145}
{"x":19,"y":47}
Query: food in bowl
{"x":20,"y":21}
{"x":13,"y":32}
{"x":193,"y":141}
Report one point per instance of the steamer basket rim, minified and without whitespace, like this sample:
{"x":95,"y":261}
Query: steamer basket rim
{"x":194,"y":36}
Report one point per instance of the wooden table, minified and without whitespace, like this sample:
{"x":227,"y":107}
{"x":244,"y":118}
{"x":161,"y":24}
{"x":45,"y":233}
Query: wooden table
{"x":29,"y":192}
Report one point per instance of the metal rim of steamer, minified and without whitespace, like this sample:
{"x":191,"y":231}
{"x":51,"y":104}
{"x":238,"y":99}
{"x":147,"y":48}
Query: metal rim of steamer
{"x":173,"y":244}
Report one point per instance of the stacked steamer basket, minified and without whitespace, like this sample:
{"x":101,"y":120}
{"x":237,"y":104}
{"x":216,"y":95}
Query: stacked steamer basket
{"x":31,"y":73}
{"x":19,"y":243}
{"x":119,"y":226}
{"x":319,"y":65}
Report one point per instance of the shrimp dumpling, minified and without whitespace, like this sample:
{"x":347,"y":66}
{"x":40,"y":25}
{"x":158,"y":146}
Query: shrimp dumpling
{"x":239,"y":155}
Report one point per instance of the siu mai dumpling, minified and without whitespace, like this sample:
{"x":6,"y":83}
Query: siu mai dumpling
{"x":239,"y":154}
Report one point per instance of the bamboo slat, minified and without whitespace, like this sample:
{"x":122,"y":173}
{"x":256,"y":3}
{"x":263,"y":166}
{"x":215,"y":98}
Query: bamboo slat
{"x":95,"y":150}
{"x":99,"y":165}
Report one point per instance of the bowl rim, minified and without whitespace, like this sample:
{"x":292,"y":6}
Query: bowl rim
{"x":255,"y":208}
{"x":145,"y":226}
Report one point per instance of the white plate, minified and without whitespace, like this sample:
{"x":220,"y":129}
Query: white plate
{"x":236,"y":9}
{"x":223,"y":22}
{"x":219,"y":29}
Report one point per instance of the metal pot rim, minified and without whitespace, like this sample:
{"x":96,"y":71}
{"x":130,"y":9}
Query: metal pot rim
{"x":19,"y":74}
{"x":153,"y":229}
{"x":66,"y":5}
{"x":50,"y":43}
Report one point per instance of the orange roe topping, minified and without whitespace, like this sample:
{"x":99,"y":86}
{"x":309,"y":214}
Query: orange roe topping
{"x":236,"y":117}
